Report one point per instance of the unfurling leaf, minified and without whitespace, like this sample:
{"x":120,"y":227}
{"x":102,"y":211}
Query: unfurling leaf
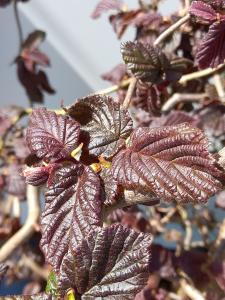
{"x":34,"y":39}
{"x":106,"y":5}
{"x":173,"y":162}
{"x":149,"y":63}
{"x":111,"y":263}
{"x":52,"y":136}
{"x":105,"y":124}
{"x":203,"y":12}
{"x":36,"y":176}
{"x":211,"y":52}
{"x":73,"y":203}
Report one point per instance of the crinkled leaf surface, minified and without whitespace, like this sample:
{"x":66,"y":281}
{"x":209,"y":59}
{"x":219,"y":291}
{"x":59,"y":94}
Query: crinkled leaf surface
{"x":203,"y":12}
{"x":217,"y":4}
{"x":148,"y":98}
{"x":50,"y":135}
{"x":110,"y":186}
{"x":73,"y":204}
{"x":111,"y":263}
{"x":149,"y":63}
{"x":105,"y":125}
{"x":173,"y":162}
{"x":211,"y":52}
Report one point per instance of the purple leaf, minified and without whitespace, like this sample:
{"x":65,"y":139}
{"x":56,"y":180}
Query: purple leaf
{"x":147,"y":98}
{"x":175,"y":117}
{"x":36,"y":176}
{"x":110,"y":185}
{"x":105,"y":124}
{"x":211,"y":52}
{"x":150,"y":64}
{"x":35,"y":83}
{"x":173,"y":162}
{"x":50,"y":135}
{"x":203,"y":12}
{"x":73,"y":204}
{"x":106,"y":5}
{"x":111,"y":263}
{"x":116,"y":74}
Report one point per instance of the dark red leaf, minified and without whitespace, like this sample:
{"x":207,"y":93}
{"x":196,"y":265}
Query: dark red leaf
{"x":73,"y":204}
{"x":150,"y":64}
{"x":203,"y":12}
{"x":148,"y":19}
{"x":211,"y":51}
{"x":122,"y":20}
{"x":173,"y":162}
{"x":33,"y":57}
{"x":35,"y":83}
{"x":175,"y":117}
{"x":110,"y":186}
{"x":105,"y":124}
{"x":111,"y":263}
{"x":50,"y":135}
{"x":148,"y":98}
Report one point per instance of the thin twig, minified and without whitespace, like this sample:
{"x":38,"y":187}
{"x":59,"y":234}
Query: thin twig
{"x":191,"y":291}
{"x":18,"y":23}
{"x":169,"y":215}
{"x":33,"y":266}
{"x":219,"y":86}
{"x":28,"y":228}
{"x":8,"y":203}
{"x":188,"y":227}
{"x":171,"y":29}
{"x":114,"y":88}
{"x":187,"y":5}
{"x":177,"y":98}
{"x":16,"y":207}
{"x":199,"y":74}
{"x":173,"y":296}
{"x":130,"y":92}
